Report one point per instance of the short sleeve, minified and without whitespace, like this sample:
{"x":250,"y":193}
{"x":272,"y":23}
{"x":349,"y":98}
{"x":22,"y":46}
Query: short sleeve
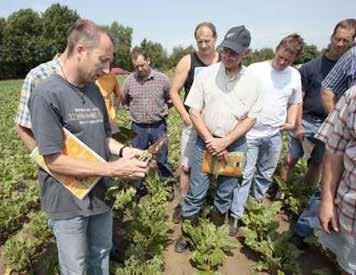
{"x":336,"y":80}
{"x":46,"y":123}
{"x":334,"y":131}
{"x":296,"y":94}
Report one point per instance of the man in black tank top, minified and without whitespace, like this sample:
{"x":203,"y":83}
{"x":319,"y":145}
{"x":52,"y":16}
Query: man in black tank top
{"x":187,"y":69}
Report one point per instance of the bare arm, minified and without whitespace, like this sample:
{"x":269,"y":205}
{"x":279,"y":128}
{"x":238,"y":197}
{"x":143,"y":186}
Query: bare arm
{"x":26,"y":135}
{"x":219,"y":145}
{"x":328,"y":99}
{"x":332,"y":171}
{"x":199,"y":124}
{"x":126,"y":151}
{"x":179,"y":79}
{"x":125,"y":167}
{"x":293,"y":110}
{"x":299,"y":130}
{"x":240,"y":130}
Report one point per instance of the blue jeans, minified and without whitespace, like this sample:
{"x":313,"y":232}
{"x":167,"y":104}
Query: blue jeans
{"x":261,"y":162}
{"x":199,"y":182}
{"x":84,"y":244}
{"x":147,"y":134}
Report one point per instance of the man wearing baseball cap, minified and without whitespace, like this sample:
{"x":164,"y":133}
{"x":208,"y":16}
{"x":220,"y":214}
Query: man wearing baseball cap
{"x":223,"y":107}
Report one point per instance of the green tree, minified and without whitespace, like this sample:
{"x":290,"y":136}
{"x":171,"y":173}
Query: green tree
{"x":258,"y":56}
{"x":2,"y":29}
{"x":123,"y":39}
{"x":3,"y":65}
{"x":177,"y":53}
{"x":158,"y":55}
{"x":55,"y":22}
{"x":20,"y":37}
{"x":309,"y":52}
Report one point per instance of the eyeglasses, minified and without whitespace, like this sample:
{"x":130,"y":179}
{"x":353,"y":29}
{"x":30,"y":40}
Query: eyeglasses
{"x":229,"y":53}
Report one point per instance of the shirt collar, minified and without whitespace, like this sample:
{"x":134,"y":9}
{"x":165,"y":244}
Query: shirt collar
{"x":149,"y":77}
{"x":234,"y":77}
{"x":57,"y":59}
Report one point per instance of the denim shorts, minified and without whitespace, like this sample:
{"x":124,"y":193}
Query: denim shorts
{"x":189,"y":138}
{"x":295,"y":148}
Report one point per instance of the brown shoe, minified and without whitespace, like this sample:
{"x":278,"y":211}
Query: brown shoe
{"x":217,"y":218}
{"x":177,"y":214}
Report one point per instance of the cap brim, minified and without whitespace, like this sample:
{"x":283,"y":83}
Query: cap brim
{"x":232,"y":46}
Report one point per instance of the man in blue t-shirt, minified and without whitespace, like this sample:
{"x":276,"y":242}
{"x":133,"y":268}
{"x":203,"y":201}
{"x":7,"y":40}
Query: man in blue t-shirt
{"x":312,"y":112}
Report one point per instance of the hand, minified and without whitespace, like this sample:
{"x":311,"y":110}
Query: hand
{"x":215,"y":145}
{"x":286,"y":127}
{"x":299,"y":132}
{"x":327,"y":216}
{"x":131,"y":152}
{"x":222,"y":156}
{"x":128,"y":168}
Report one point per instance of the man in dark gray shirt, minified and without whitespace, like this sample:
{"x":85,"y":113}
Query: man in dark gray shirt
{"x":83,"y":228}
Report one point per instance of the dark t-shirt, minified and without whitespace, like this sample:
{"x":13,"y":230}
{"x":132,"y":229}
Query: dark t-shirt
{"x":55,"y":104}
{"x":312,"y":74}
{"x":196,"y":66}
{"x":195,"y":62}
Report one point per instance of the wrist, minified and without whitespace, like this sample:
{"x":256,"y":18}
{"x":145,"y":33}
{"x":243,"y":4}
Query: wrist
{"x":121,"y":151}
{"x":109,"y":171}
{"x":227,"y":141}
{"x":292,"y":125}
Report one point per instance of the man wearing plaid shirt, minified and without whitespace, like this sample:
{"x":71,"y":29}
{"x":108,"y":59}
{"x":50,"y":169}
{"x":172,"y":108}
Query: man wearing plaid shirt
{"x":33,"y":78}
{"x":337,"y":211}
{"x":146,"y":97}
{"x":341,"y":77}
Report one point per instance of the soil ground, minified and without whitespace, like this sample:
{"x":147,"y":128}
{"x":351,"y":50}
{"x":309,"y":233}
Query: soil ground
{"x":240,"y":262}
{"x":242,"y":259}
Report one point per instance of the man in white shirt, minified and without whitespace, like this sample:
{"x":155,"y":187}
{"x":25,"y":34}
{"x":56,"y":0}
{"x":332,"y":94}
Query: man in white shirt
{"x":280,"y":88}
{"x":222,"y":110}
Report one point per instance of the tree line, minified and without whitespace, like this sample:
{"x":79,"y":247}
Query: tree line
{"x":28,"y":38}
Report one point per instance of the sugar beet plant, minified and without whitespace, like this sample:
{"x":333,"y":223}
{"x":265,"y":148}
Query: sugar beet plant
{"x":148,"y":231}
{"x":278,"y":255}
{"x":209,"y":244}
{"x":19,"y":191}
{"x":21,"y":249}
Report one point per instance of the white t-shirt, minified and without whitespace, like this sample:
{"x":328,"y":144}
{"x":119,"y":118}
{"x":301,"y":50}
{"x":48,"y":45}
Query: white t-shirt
{"x":223,"y":100}
{"x":278,"y":90}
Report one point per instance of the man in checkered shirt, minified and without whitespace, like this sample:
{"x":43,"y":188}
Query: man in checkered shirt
{"x":146,"y":97}
{"x":337,"y":211}
{"x":33,"y":78}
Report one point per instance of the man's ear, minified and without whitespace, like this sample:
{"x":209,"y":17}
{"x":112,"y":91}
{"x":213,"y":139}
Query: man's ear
{"x":79,"y":50}
{"x":148,"y":61}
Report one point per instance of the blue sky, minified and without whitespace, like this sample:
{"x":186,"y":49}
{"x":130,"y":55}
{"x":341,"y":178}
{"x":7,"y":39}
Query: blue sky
{"x":172,"y":22}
